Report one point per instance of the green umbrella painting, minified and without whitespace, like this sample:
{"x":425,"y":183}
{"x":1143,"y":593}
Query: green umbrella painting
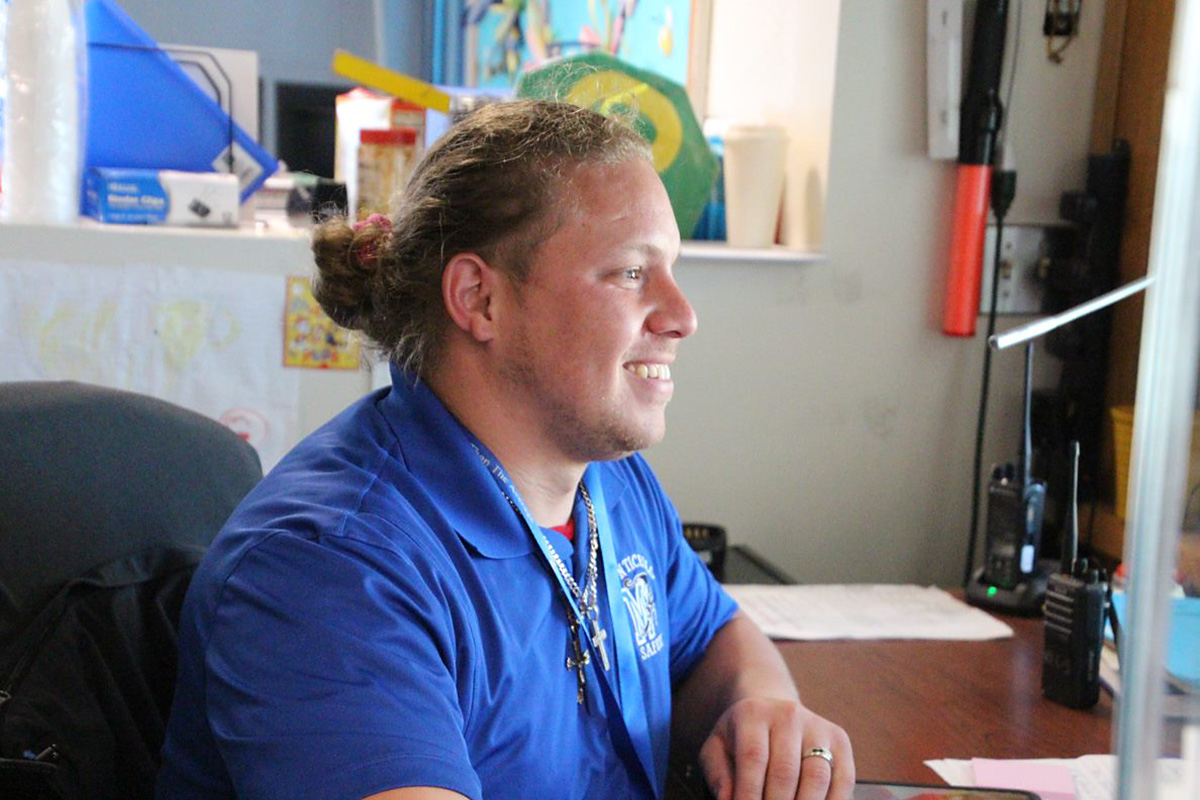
{"x":659,"y":108}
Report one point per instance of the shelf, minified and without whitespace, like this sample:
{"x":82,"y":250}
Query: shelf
{"x":93,"y":241}
{"x":89,"y":242}
{"x":694,"y":250}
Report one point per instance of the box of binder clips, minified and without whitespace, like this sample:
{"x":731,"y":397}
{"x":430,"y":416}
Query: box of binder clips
{"x":161,"y":197}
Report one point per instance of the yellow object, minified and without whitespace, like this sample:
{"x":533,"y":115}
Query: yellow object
{"x":609,"y":88}
{"x":1122,"y":417}
{"x":372,"y":75}
{"x":666,"y":40}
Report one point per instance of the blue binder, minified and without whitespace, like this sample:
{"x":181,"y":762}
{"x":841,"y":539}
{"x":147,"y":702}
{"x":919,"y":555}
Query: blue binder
{"x":144,"y":111}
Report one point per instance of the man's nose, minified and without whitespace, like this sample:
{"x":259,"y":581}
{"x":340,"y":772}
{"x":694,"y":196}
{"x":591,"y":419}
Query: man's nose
{"x":672,"y":315}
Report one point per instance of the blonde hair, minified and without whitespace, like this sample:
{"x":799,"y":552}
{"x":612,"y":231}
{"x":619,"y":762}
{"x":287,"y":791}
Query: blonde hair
{"x":493,"y":185}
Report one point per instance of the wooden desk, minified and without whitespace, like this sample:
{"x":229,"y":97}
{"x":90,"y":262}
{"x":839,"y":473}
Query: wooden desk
{"x":904,"y":702}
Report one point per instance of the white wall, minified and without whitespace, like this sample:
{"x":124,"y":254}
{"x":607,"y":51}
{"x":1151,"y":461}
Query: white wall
{"x":1050,"y":116}
{"x":770,"y":61}
{"x":819,"y":412}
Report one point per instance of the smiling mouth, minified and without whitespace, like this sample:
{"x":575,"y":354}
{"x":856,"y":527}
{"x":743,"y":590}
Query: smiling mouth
{"x":658,"y":372}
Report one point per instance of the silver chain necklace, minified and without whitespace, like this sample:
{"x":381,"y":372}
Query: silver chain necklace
{"x":585,"y":597}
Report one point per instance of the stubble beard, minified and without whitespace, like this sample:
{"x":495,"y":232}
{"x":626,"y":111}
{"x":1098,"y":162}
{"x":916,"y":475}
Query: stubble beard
{"x":584,"y":437}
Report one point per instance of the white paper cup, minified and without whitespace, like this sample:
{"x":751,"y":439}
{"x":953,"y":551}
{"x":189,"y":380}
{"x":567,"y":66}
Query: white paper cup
{"x":754,"y":168}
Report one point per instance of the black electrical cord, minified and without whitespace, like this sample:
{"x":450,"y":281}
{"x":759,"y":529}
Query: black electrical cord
{"x":1012,"y":71}
{"x":1004,"y":188}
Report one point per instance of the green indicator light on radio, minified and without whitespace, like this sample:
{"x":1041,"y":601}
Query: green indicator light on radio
{"x":991,"y":591}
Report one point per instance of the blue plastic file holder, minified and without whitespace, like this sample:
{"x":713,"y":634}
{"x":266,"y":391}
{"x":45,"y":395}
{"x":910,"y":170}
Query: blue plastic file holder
{"x":144,"y":111}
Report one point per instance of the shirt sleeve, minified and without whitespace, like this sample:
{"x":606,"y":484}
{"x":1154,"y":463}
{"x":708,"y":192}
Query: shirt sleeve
{"x":330,"y":673}
{"x":698,"y":606}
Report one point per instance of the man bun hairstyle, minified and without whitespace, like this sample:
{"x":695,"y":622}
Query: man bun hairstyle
{"x":492,"y":185}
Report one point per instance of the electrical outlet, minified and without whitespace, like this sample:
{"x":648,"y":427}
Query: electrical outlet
{"x":1022,"y":252}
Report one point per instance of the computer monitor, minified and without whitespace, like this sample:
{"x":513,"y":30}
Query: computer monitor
{"x":306,"y":125}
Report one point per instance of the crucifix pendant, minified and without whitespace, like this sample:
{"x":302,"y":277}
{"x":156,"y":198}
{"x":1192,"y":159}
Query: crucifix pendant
{"x":577,"y":662}
{"x":599,"y":635}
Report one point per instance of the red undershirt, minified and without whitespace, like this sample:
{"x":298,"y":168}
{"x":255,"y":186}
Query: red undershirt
{"x":567,"y":530}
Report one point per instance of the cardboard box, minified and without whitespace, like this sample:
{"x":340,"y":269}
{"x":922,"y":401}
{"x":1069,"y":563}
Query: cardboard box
{"x":161,"y":197}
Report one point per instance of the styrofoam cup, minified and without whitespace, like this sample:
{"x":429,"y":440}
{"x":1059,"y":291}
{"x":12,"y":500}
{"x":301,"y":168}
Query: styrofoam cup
{"x":754,"y":169}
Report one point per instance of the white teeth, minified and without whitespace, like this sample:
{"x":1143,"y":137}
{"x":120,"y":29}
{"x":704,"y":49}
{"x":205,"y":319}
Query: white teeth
{"x":660,"y":372}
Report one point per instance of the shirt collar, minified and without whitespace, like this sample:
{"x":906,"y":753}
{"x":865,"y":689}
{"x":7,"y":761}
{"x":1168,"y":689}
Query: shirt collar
{"x":434,"y":446}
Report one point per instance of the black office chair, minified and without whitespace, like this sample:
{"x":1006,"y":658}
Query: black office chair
{"x":107,"y":502}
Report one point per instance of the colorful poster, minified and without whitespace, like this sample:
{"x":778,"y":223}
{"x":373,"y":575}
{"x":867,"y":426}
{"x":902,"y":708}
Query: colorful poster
{"x":502,"y":38}
{"x":312,"y":340}
{"x":207,"y":340}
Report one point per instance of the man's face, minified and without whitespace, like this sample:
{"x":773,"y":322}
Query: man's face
{"x":601,"y":316}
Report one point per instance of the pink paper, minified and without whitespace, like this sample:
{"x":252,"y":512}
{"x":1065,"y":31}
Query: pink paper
{"x":1049,"y":781}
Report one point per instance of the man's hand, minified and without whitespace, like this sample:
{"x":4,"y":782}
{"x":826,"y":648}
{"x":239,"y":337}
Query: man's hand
{"x":756,"y":749}
{"x":741,"y":697}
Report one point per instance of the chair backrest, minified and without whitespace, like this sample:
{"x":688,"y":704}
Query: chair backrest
{"x":107,"y":501}
{"x":88,"y":474}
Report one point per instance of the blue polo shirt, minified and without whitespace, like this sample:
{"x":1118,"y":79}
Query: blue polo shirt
{"x":375,"y":615}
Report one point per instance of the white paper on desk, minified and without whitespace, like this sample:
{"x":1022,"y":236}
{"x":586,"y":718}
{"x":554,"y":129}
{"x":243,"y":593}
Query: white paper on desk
{"x":864,"y":611}
{"x":1095,"y":775}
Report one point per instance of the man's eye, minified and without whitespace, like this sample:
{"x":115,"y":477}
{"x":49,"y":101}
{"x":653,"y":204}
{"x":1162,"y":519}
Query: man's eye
{"x":632,"y":274}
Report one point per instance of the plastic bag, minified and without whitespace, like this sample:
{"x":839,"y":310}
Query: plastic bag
{"x":44,"y":111}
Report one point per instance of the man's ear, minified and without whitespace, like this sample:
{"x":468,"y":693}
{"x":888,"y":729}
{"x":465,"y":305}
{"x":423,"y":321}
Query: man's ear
{"x":469,"y":286}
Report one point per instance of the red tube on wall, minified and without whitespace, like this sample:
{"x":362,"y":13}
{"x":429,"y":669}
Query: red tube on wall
{"x":966,"y":249}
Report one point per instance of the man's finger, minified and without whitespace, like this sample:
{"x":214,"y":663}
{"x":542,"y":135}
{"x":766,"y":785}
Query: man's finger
{"x":783,"y":771}
{"x":842,"y":787}
{"x":816,"y":776}
{"x":751,"y":751}
{"x":717,"y":767}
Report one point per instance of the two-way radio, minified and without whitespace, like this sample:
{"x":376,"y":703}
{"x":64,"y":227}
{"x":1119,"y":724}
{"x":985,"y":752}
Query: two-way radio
{"x":1076,"y":601}
{"x":1010,"y":579}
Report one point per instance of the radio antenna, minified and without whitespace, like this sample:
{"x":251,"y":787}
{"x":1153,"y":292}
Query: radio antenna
{"x":1026,"y":454}
{"x":1071,"y":545}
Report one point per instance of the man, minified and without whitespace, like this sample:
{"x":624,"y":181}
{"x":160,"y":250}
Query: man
{"x":468,"y":585}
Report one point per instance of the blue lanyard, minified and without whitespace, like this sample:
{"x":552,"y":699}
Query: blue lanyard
{"x":631,"y":708}
{"x":629,"y":676}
